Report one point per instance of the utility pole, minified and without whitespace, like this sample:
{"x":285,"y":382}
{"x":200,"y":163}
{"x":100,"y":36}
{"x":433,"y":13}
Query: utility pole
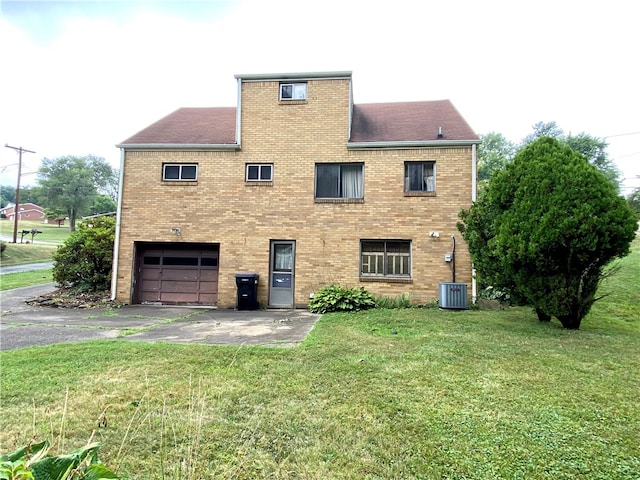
{"x":16,"y":210}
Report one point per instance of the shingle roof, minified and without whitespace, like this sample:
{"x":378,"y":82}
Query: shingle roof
{"x":190,"y":126}
{"x":408,"y":122}
{"x":374,"y":122}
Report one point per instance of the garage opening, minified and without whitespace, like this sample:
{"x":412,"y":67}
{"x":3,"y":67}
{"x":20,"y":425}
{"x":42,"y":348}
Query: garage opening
{"x":169,"y":273}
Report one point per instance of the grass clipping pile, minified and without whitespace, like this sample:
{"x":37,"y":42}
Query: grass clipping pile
{"x":63,"y":298}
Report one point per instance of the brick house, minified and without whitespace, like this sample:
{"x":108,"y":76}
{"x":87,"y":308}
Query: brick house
{"x":300,"y":186}
{"x":26,"y":211}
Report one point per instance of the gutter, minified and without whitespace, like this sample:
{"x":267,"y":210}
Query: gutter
{"x":259,"y":77}
{"x":179,"y":146}
{"x":116,"y":242}
{"x":412,"y":144}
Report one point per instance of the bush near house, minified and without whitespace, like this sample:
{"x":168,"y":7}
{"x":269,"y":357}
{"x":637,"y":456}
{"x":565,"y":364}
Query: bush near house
{"x":83,"y":263}
{"x":335,"y":298}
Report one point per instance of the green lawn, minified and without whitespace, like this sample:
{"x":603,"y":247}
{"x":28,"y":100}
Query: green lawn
{"x":51,"y":233}
{"x":20,"y":254}
{"x":41,"y":251}
{"x":458,"y":395}
{"x":10,"y":281}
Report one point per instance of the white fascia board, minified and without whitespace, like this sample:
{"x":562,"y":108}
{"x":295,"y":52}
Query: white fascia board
{"x":260,"y":77}
{"x":411,"y":144}
{"x":179,"y":146}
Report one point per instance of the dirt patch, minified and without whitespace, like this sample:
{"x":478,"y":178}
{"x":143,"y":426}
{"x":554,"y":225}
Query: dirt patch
{"x":63,"y":298}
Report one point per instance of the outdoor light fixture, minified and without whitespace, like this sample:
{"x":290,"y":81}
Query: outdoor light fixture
{"x":176,"y":230}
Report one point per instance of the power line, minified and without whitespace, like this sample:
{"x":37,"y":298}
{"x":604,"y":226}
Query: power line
{"x":16,"y":209}
{"x":621,"y":135}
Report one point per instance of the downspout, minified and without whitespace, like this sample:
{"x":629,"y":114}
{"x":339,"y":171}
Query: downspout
{"x":239,"y":114}
{"x":116,"y":242}
{"x":474,"y":197}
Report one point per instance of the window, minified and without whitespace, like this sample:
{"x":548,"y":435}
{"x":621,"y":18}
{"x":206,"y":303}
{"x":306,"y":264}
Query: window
{"x":385,"y":258}
{"x":180,"y":171}
{"x":293,"y":91}
{"x":259,"y":172}
{"x":339,"y":180}
{"x":420,"y":176}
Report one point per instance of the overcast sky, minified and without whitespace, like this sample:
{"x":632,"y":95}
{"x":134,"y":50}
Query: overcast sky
{"x":78,"y":77}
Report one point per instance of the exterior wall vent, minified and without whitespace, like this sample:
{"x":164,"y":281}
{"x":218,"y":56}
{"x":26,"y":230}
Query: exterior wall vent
{"x":453,"y":296}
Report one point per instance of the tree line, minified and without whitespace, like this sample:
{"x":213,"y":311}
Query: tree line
{"x":70,"y":187}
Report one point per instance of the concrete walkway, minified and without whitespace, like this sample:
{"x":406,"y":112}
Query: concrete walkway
{"x":22,"y":325}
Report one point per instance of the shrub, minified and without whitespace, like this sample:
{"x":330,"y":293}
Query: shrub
{"x":546,"y":230}
{"x":83,"y":263}
{"x":335,"y":298}
{"x":3,"y":247}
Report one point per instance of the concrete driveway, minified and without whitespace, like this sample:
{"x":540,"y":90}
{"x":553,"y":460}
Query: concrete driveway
{"x":22,"y":325}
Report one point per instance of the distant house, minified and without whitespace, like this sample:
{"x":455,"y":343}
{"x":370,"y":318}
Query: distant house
{"x":26,"y":211}
{"x":299,"y":185}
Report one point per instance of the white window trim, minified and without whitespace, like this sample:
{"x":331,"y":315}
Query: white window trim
{"x":293,"y":91}
{"x":259,"y":179}
{"x":179,"y":179}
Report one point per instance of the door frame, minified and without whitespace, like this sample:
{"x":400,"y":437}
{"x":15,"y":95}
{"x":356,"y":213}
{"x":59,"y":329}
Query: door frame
{"x":281,"y":297}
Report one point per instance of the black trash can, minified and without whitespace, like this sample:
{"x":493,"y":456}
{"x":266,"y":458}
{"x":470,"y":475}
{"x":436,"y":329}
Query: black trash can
{"x":247,"y":284}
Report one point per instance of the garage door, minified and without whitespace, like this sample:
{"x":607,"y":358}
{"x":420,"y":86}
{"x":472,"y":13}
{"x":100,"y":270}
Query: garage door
{"x":177,"y":274}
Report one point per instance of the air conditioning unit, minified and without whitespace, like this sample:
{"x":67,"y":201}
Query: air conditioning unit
{"x":453,"y":296}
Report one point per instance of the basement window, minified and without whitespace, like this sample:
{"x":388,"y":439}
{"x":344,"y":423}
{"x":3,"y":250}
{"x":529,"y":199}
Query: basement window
{"x":385,"y":258}
{"x":293,"y":91}
{"x":176,"y":172}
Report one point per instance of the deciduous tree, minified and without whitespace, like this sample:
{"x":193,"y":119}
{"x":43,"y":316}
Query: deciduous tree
{"x":72,"y":182}
{"x":494,"y":152}
{"x":634,"y":201}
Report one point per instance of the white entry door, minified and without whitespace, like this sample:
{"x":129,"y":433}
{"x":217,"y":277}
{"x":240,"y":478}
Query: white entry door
{"x":282,"y":273}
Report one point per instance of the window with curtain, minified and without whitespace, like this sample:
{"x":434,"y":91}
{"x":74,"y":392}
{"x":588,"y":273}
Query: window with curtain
{"x":385,"y":258}
{"x":420,"y":176}
{"x":339,"y":180}
{"x":283,"y":258}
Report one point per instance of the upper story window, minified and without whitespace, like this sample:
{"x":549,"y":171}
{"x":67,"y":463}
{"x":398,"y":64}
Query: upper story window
{"x":385,"y":258}
{"x":259,"y":172}
{"x":187,"y":172}
{"x":293,"y":91}
{"x":420,"y":177}
{"x":339,"y":180}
